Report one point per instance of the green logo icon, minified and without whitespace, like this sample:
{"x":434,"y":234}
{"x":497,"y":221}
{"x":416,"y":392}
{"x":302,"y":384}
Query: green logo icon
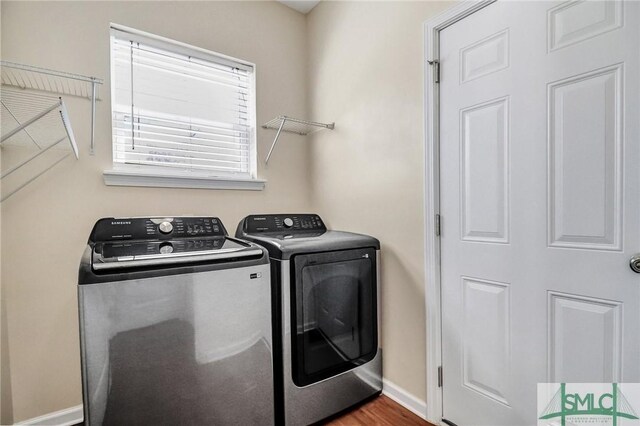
{"x":586,"y":404}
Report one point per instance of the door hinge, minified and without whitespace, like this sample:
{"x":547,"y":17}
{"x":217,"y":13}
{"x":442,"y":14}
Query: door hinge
{"x":440,"y":376}
{"x":438,"y":227}
{"x":436,"y":69}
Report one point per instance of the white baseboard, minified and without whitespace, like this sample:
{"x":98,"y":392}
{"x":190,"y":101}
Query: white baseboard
{"x":74,"y":415}
{"x":404,"y":398}
{"x":66,"y":417}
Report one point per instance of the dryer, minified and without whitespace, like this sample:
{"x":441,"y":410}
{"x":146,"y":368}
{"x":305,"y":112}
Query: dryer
{"x":326,"y":314}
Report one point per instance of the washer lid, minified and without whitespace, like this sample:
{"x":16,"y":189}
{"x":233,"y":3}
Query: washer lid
{"x":136,"y":254}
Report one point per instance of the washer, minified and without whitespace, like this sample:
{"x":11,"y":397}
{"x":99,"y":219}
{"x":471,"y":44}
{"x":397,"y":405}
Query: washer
{"x":326,"y":300}
{"x":174,"y":328}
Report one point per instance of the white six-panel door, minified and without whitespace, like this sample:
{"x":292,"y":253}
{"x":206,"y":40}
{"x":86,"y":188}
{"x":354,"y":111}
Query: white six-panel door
{"x":540,"y":203}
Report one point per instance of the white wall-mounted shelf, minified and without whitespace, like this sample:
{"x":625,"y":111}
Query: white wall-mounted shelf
{"x":33,"y":125}
{"x":46,"y":80}
{"x":293,"y":125}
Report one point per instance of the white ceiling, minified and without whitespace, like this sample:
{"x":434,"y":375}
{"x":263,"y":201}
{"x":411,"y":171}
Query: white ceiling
{"x":303,"y":6}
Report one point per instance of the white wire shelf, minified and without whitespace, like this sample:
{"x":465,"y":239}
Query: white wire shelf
{"x":293,"y":125}
{"x":46,"y":80}
{"x":59,"y":82}
{"x":33,"y":124}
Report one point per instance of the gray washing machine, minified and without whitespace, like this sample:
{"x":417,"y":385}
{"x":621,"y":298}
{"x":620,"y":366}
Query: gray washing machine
{"x":174,"y":328}
{"x":326,"y":314}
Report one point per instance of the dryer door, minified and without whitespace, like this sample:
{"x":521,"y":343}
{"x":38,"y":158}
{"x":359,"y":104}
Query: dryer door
{"x":334,"y":313}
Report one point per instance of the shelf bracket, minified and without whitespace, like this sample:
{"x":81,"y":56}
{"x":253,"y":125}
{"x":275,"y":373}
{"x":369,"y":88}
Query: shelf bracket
{"x":64,"y":115}
{"x":48,"y":80}
{"x":31,"y":121}
{"x":286,"y":124}
{"x":20,"y":123}
{"x":275,"y":140}
{"x":46,"y":110}
{"x":93,"y":116}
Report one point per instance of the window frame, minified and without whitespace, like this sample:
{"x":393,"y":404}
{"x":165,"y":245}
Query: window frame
{"x":154,"y":176}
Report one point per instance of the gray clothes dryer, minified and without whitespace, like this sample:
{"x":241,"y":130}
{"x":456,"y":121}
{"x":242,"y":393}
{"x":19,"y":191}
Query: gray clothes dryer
{"x":174,"y":328}
{"x":326,"y":314}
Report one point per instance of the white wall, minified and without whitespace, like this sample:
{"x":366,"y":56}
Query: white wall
{"x":365,"y":72}
{"x":45,"y":225}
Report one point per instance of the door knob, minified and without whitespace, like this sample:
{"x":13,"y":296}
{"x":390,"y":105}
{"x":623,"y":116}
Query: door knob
{"x":635,"y":263}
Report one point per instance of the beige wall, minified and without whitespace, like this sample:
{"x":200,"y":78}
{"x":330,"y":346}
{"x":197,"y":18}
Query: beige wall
{"x":6,"y":408}
{"x":45,"y":225}
{"x":5,"y":383}
{"x":365,"y":72}
{"x":356,"y":63}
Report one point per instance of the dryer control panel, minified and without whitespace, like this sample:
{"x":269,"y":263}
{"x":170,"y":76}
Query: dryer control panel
{"x":284,"y":223}
{"x":117,"y":229}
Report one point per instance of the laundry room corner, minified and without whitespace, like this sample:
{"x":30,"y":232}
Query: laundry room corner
{"x":319,"y":212}
{"x":365,"y":72}
{"x":46,"y":223}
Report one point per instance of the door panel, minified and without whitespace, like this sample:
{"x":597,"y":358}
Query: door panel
{"x":484,"y":166}
{"x":574,"y":320}
{"x":540,"y":203}
{"x":486,"y":337}
{"x":585,"y":138}
{"x":572,"y":22}
{"x":485,"y":56}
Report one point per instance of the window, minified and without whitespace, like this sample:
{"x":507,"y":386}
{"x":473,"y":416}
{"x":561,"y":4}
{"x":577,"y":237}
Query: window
{"x":181,"y":115}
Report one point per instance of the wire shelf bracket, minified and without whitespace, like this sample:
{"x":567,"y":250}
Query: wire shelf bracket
{"x":59,"y":82}
{"x":293,"y":125}
{"x":31,"y":119}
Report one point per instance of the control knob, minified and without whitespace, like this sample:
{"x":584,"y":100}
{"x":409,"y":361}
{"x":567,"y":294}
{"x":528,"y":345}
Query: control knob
{"x":288,"y":223}
{"x":165,"y":227}
{"x":166,"y":248}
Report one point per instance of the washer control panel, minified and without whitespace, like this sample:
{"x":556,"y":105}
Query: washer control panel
{"x":116,"y":229}
{"x":284,"y":223}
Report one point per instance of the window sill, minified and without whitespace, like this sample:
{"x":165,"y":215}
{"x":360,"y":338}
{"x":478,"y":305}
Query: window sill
{"x":147,"y":179}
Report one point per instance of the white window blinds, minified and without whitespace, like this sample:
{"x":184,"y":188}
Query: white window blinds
{"x":181,"y":110}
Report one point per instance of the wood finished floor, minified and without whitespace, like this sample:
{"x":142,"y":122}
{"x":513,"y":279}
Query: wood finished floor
{"x":381,"y":411}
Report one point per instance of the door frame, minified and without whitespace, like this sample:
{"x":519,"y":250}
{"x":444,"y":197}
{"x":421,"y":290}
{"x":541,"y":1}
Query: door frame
{"x":433,"y":301}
